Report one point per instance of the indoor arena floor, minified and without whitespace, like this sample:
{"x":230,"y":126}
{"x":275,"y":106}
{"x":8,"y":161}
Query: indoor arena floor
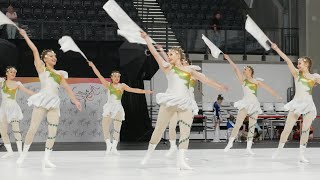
{"x":207,"y":164}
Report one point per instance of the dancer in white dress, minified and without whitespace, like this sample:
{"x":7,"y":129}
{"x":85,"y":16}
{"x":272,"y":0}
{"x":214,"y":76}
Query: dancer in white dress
{"x":176,"y":102}
{"x":195,"y":109}
{"x":301,"y":104}
{"x":47,"y":101}
{"x":10,"y":111}
{"x":249,"y":105}
{"x":113,"y":110}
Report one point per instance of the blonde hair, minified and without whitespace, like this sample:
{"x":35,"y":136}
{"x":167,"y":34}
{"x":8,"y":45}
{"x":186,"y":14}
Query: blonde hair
{"x":179,"y":50}
{"x":308,"y":60}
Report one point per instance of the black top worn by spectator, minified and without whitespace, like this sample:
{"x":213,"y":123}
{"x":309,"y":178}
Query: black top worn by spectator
{"x":216,"y":22}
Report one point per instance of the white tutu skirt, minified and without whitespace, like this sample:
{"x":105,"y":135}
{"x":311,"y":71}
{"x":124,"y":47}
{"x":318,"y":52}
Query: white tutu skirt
{"x":45,"y":100}
{"x":171,"y":100}
{"x":11,"y":111}
{"x":301,"y":107}
{"x":112,"y":109}
{"x":250,"y":106}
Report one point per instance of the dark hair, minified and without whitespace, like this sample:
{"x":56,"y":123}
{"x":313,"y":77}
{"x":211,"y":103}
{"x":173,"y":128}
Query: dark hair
{"x":115,"y":71}
{"x":7,"y":69}
{"x":220,"y":97}
{"x":252,"y":70}
{"x":45,"y":52}
{"x":308,"y":60}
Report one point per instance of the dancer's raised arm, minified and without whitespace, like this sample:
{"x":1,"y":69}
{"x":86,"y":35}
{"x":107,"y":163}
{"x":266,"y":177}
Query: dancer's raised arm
{"x":37,"y":61}
{"x":162,"y":52}
{"x":98,"y":74}
{"x":293,"y":70}
{"x":235,"y":68}
{"x":161,"y":62}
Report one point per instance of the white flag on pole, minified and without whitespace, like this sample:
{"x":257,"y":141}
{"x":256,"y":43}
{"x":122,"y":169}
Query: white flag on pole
{"x":215,"y":51}
{"x":67,"y":44}
{"x":257,"y":33}
{"x":5,"y":20}
{"x":127,"y":28}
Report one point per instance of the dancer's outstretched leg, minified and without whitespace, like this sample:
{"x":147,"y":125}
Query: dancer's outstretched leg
{"x":290,"y":122}
{"x":38,"y":114}
{"x":307,"y":121}
{"x":164,"y":116}
{"x":117,"y":122}
{"x":185,"y":127}
{"x":106,"y":132}
{"x":172,"y":137}
{"x":17,"y":134}
{"x":240,"y":118}
{"x":5,"y":138}
{"x":53,"y":122}
{"x":251,"y":128}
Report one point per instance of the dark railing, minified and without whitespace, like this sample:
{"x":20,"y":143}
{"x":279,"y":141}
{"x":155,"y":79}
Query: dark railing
{"x":233,"y":40}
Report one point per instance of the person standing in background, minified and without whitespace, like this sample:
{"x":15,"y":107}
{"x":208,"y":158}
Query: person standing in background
{"x":216,"y":27}
{"x":11,"y":29}
{"x":217,"y":118}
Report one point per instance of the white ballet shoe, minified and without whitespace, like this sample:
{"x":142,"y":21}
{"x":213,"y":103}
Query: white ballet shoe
{"x":109,"y":145}
{"x":173,"y":148}
{"x":145,"y":159}
{"x":114,"y":148}
{"x":23,"y":155}
{"x":278,"y":150}
{"x":181,"y":163}
{"x":249,"y":150}
{"x":46,"y":163}
{"x":302,"y":159}
{"x":229,"y":145}
{"x":19,"y":146}
{"x":9,"y":151}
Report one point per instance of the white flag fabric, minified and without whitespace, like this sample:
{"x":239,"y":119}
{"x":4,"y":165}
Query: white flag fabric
{"x":257,"y":33}
{"x":127,"y":28}
{"x":5,"y":20}
{"x":215,"y":51}
{"x":67,"y":44}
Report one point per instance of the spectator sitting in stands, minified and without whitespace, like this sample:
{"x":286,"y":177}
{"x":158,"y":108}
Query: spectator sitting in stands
{"x":12,"y":15}
{"x":216,"y":27}
{"x":296,"y":134}
{"x":230,"y":124}
{"x":244,"y":133}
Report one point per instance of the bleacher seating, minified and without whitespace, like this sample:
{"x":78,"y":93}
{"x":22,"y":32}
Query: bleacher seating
{"x":201,"y":12}
{"x":35,"y":14}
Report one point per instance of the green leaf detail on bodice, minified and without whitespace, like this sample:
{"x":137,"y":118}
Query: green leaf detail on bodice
{"x":182,"y":75}
{"x":192,"y":83}
{"x":56,"y":77}
{"x":252,"y":86}
{"x":10,"y":92}
{"x":309,"y":83}
{"x":116,"y":92}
